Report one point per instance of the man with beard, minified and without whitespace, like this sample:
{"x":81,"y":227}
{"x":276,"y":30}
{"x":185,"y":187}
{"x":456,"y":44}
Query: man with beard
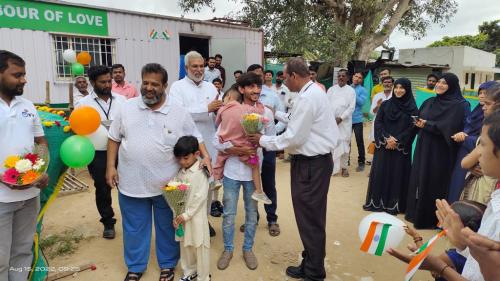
{"x":199,"y":98}
{"x":20,"y":129}
{"x":218,"y":65}
{"x":81,"y":85}
{"x":120,"y":86}
{"x":107,"y":103}
{"x":210,"y":71}
{"x":142,"y":139}
{"x":431,"y":81}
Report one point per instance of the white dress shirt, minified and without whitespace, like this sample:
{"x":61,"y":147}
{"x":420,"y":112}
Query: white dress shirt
{"x":490,"y":227}
{"x":234,"y":168}
{"x":107,"y":109}
{"x":312,"y":130}
{"x":195,"y":99}
{"x":147,"y":138}
{"x":380,"y":96}
{"x":19,"y":125}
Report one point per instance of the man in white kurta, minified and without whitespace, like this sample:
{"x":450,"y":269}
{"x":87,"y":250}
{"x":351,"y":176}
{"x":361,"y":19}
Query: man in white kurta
{"x":343,"y":101}
{"x":378,"y":99}
{"x":195,"y":245}
{"x":199,"y":98}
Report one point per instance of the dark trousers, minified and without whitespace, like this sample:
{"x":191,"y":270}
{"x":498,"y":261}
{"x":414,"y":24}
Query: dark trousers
{"x":97,"y":169}
{"x":358,"y":133}
{"x":268,"y":176}
{"x":310,"y":180}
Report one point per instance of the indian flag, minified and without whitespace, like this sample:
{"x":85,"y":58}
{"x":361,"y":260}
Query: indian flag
{"x":422,"y":253}
{"x":375,"y":238}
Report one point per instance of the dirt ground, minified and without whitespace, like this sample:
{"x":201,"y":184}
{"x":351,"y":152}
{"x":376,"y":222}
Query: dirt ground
{"x":344,"y":260}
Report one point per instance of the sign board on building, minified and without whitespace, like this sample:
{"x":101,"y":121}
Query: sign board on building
{"x":53,"y":17}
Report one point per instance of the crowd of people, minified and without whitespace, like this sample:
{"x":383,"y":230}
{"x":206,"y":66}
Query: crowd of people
{"x":194,"y":134}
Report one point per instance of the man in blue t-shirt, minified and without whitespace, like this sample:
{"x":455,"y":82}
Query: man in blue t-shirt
{"x":357,"y":118}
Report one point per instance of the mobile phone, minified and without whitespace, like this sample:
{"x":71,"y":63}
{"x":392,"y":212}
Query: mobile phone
{"x":415,"y":118}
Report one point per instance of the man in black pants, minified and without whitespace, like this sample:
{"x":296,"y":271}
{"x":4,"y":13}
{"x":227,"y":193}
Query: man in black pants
{"x":107,"y":104}
{"x":310,"y":137}
{"x":358,"y":118}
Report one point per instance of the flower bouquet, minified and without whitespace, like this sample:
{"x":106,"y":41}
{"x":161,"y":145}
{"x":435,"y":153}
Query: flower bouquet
{"x":24,"y":170}
{"x":253,"y":123}
{"x":175,"y":193}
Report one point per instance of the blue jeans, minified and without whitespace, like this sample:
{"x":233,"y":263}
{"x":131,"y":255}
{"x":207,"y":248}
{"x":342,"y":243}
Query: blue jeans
{"x":137,"y":216}
{"x":230,"y":200}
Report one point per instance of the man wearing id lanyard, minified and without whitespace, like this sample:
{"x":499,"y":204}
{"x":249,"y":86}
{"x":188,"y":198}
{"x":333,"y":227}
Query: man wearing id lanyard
{"x":310,"y":137}
{"x":107,"y":104}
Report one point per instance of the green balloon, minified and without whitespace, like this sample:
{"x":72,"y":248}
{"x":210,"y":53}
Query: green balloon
{"x":77,"y":151}
{"x":77,"y":69}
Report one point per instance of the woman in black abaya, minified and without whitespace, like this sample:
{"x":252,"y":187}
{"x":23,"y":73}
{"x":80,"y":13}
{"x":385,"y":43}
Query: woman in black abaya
{"x":394,"y":135}
{"x":440,"y":118}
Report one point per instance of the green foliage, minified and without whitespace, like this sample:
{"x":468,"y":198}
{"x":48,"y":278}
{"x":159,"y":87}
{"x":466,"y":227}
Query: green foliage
{"x":475,"y":41}
{"x":336,"y":30}
{"x":61,"y":244}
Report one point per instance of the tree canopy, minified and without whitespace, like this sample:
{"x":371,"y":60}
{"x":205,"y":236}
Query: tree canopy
{"x":336,"y":30}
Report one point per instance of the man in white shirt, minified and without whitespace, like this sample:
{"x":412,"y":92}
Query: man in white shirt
{"x":280,"y":88}
{"x":210,"y":71}
{"x":107,"y":103}
{"x":199,"y":98}
{"x":343,"y":101}
{"x":237,"y":174}
{"x":81,"y":86}
{"x":20,"y":130}
{"x":311,"y":136}
{"x":142,"y":137}
{"x":378,"y":99}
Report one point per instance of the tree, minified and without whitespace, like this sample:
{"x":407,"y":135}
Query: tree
{"x":487,"y":40}
{"x":336,"y":30}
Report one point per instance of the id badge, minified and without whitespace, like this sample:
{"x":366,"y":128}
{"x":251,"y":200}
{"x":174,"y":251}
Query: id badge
{"x":106,"y":124}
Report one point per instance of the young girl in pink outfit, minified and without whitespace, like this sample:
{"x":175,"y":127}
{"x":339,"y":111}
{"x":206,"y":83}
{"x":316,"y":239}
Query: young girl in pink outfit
{"x":230,"y":130}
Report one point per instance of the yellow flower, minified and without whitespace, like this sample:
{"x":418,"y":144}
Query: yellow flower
{"x":48,"y":123}
{"x":66,"y":129}
{"x":11,"y":161}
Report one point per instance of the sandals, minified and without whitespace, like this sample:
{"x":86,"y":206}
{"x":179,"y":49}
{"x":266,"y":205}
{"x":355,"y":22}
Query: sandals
{"x":274,"y":229}
{"x":167,"y":274}
{"x":133,"y":276}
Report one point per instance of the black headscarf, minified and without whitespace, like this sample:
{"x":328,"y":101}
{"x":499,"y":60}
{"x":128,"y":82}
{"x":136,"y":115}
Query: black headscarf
{"x":447,"y":99}
{"x":403,"y":105}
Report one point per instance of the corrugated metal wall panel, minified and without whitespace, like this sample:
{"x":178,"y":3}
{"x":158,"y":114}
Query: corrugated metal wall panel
{"x":133,"y":49}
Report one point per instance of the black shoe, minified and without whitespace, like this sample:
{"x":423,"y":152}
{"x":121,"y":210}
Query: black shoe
{"x":109,"y":232}
{"x":212,"y":230}
{"x":295,"y":272}
{"x":216,"y":209}
{"x":360,"y":168}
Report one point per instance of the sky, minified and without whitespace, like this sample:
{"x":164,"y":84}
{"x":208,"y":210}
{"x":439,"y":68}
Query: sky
{"x":470,"y":14}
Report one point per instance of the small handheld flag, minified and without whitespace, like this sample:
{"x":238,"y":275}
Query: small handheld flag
{"x":422,"y":253}
{"x":375,"y":239}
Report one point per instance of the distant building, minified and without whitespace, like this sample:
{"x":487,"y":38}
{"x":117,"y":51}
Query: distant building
{"x":472,"y":66}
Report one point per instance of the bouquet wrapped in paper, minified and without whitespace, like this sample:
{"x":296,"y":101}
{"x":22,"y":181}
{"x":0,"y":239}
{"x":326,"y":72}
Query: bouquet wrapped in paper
{"x":175,"y":193}
{"x":24,"y":170}
{"x":253,"y":123}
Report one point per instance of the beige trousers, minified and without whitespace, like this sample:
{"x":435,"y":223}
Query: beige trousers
{"x":196,"y":260}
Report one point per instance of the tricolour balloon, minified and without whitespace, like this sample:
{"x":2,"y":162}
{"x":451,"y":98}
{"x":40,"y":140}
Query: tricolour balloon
{"x":84,"y":120}
{"x":69,"y":55}
{"x":395,"y":233}
{"x":77,"y":69}
{"x":77,"y":151}
{"x":99,"y":138}
{"x":84,"y":58}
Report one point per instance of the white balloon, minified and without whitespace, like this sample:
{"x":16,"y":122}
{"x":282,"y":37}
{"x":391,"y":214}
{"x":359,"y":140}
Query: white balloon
{"x":395,"y":234}
{"x":69,"y":55}
{"x":99,"y":138}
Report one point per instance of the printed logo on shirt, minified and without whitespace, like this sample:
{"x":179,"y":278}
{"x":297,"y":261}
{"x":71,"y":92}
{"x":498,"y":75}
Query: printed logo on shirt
{"x":27,"y":114}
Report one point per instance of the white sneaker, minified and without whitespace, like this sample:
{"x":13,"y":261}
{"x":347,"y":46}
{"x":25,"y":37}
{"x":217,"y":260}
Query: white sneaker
{"x":262,"y":197}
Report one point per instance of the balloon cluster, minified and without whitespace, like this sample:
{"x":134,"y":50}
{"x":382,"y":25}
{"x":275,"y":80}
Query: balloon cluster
{"x":77,"y":61}
{"x":79,"y":150}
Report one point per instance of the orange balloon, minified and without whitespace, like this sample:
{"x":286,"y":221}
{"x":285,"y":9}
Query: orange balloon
{"x":84,"y":58}
{"x":84,"y":120}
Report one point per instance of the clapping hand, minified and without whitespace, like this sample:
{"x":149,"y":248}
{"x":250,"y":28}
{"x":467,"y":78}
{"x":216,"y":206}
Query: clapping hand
{"x":451,"y":223}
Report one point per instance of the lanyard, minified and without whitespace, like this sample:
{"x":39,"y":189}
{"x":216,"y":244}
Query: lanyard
{"x":102,"y":108}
